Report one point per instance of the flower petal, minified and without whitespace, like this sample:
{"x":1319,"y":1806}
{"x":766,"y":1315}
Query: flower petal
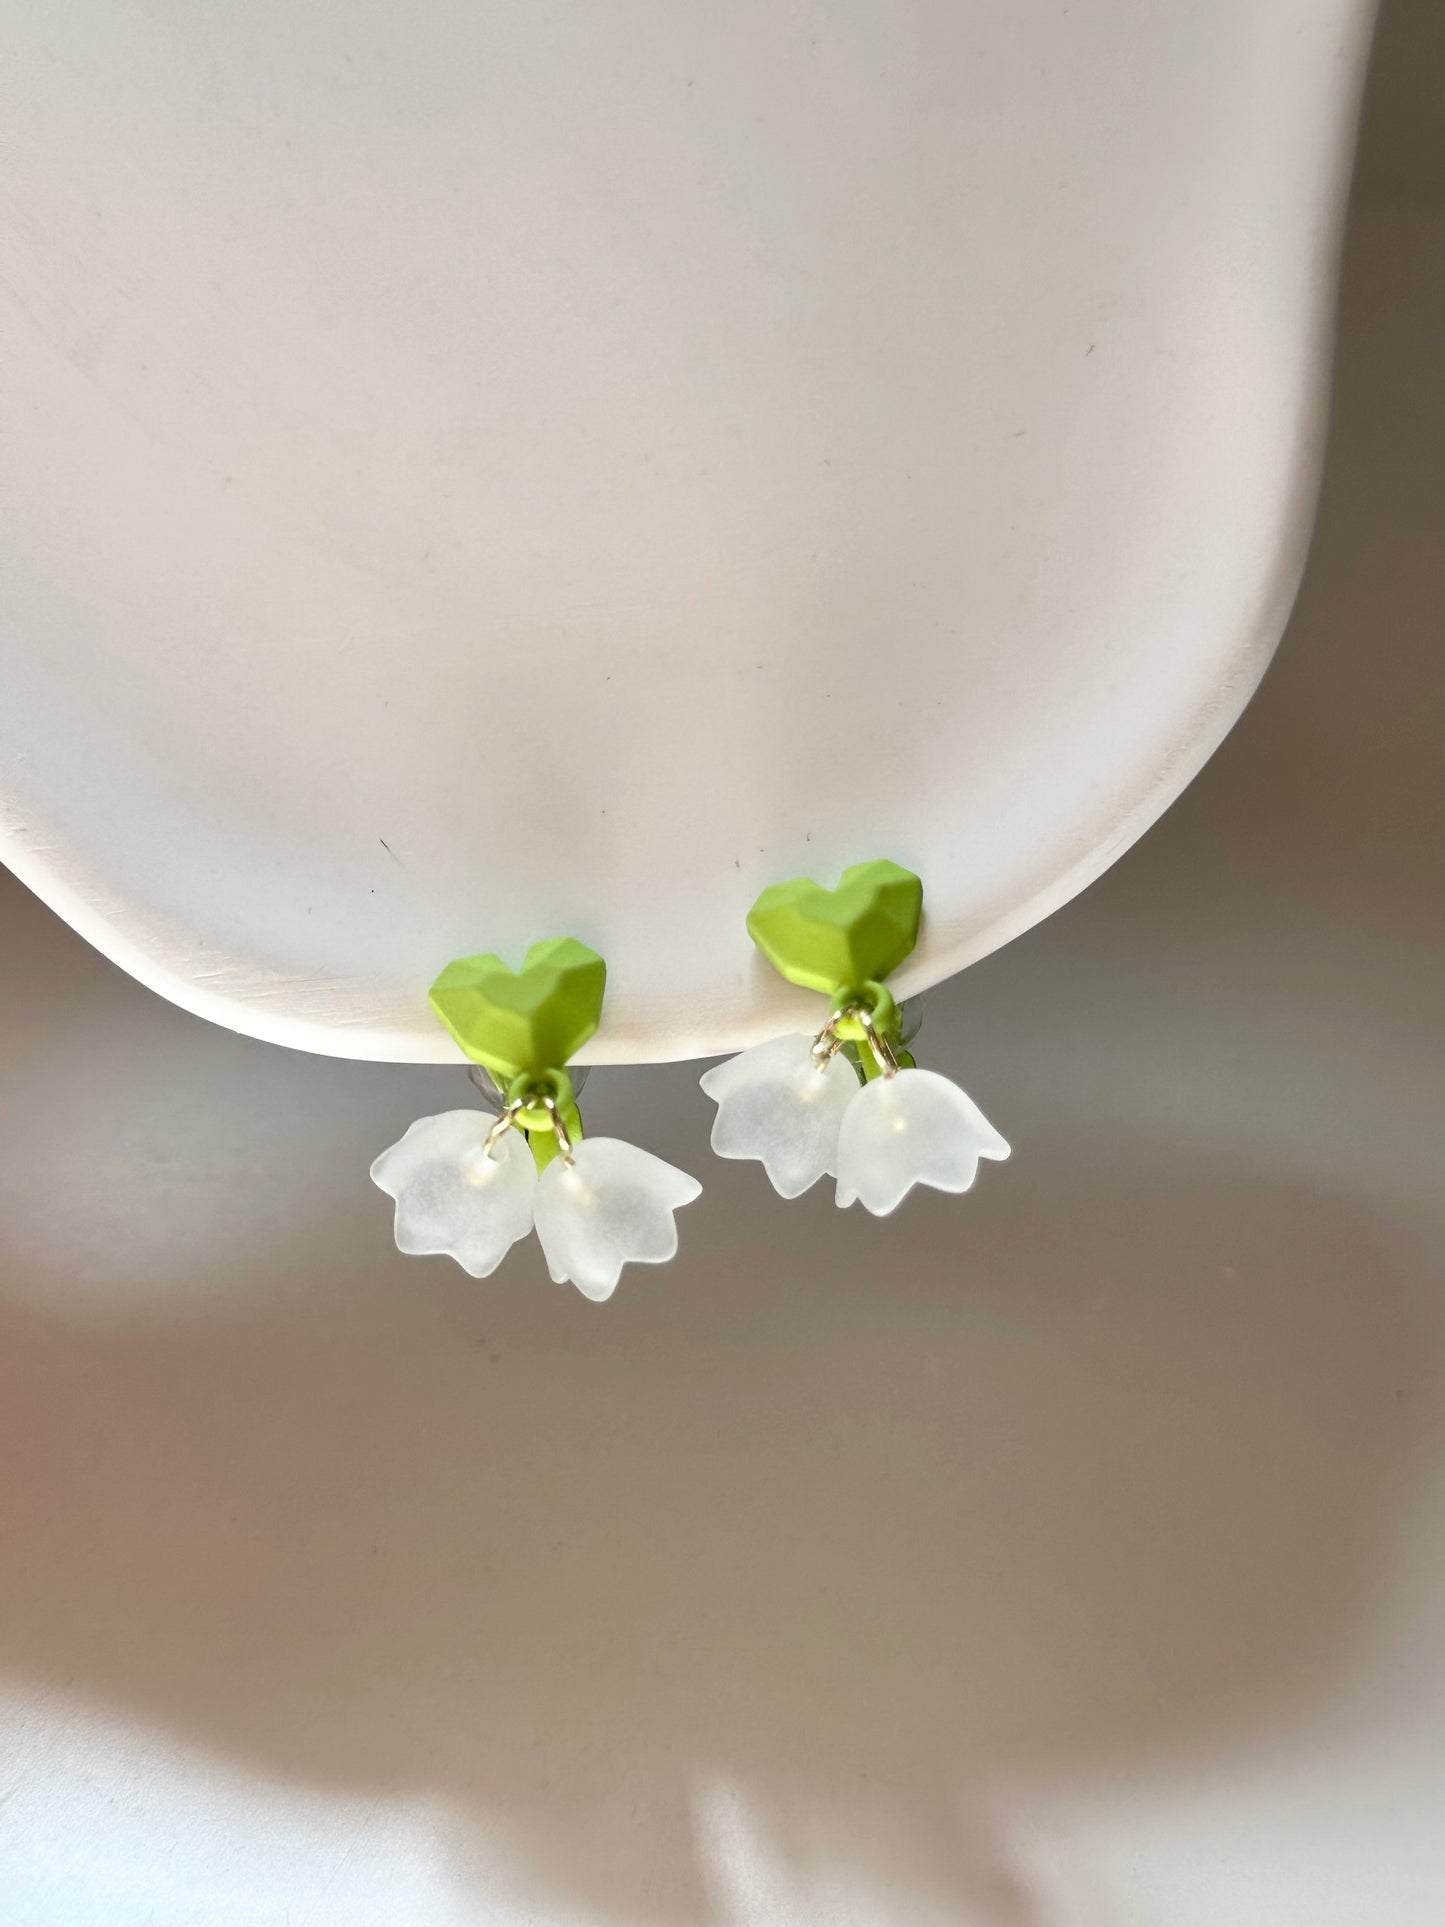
{"x":452,"y":1197}
{"x":915,"y":1128}
{"x":774,"y":1104}
{"x":610,"y":1207}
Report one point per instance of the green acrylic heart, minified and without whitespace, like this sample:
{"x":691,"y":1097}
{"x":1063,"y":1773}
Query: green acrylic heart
{"x":532,"y":1019}
{"x":831,"y":940}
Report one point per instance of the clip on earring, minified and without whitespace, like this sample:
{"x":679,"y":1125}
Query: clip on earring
{"x":850,"y":1102}
{"x":469,"y":1185}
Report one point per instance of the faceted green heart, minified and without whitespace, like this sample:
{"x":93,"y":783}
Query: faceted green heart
{"x":532,"y":1019}
{"x":830,"y":940}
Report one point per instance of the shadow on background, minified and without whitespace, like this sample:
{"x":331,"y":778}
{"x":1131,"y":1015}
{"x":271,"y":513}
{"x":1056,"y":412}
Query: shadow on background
{"x":862,"y":1531}
{"x":1099,"y":1466}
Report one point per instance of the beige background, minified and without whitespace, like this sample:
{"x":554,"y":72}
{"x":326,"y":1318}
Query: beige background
{"x":1070,"y":1553}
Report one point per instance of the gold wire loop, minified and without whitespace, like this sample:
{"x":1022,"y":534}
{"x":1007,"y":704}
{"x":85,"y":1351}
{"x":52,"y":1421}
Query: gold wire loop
{"x":506,"y":1119}
{"x":563,"y":1135}
{"x":530,"y":1101}
{"x":825,"y":1045}
{"x":879,"y":1045}
{"x":828,"y":1043}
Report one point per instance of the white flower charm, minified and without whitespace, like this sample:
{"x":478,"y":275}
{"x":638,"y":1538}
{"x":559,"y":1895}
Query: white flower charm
{"x":611,"y":1205}
{"x":912,"y":1128}
{"x":803,"y":1118}
{"x":776,"y":1105}
{"x":454,"y":1197}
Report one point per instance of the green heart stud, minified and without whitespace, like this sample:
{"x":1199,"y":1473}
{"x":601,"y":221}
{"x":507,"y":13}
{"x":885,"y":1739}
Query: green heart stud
{"x":530,"y":1020}
{"x":831,"y":940}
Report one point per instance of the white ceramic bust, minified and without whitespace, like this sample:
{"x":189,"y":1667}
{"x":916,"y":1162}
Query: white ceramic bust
{"x":516,"y":471}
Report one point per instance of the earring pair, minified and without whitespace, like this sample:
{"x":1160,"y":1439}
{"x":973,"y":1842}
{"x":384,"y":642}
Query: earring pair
{"x":846,"y":1101}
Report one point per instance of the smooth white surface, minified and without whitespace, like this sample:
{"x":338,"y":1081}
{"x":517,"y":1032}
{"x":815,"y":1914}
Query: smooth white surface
{"x":546,"y":469}
{"x":1072,"y":1555}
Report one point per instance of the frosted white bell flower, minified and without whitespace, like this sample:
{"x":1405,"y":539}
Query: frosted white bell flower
{"x":915,"y":1128}
{"x":774,"y":1104}
{"x":455,"y":1198}
{"x":611,"y":1206}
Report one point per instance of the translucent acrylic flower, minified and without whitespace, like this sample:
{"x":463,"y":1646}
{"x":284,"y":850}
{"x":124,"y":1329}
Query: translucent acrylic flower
{"x":610,"y":1207}
{"x":774,"y":1104}
{"x":915,"y":1128}
{"x":453,"y":1197}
